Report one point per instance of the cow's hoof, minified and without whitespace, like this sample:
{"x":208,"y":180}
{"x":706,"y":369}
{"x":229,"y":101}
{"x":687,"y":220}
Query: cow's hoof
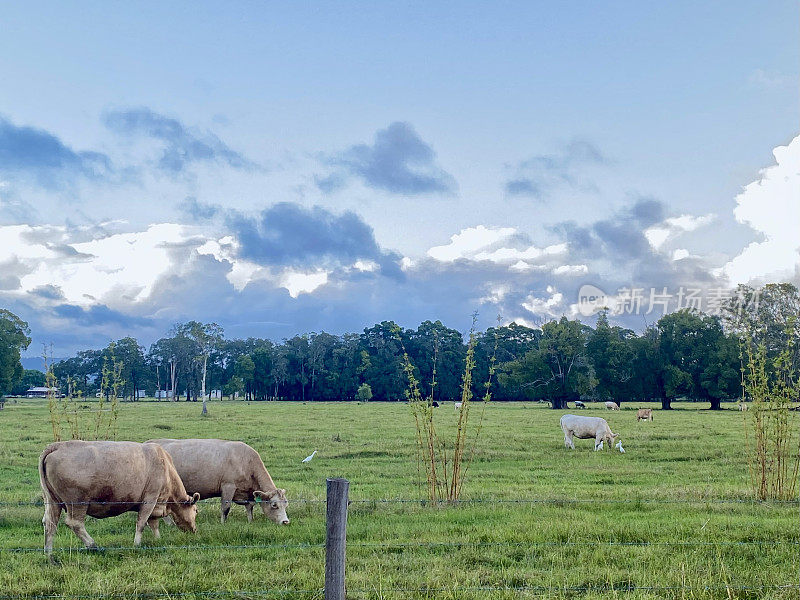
{"x":53,"y":560}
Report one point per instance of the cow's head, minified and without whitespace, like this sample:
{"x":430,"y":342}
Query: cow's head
{"x":184,"y":512}
{"x":273,"y":504}
{"x":609,"y":438}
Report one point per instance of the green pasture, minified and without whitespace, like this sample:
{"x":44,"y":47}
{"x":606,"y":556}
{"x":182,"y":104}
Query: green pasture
{"x":673,"y":517}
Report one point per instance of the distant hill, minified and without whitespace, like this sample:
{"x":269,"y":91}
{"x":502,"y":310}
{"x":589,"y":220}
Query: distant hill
{"x":35,"y":362}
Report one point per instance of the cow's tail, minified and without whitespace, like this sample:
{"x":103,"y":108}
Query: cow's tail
{"x":52,"y":509}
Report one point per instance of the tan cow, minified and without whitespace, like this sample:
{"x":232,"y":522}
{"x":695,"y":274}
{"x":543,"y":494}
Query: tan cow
{"x":612,"y":405}
{"x":232,"y":471}
{"x":106,"y":479}
{"x":644,"y":414}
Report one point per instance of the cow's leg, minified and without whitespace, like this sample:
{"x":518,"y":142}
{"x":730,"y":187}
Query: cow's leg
{"x":597,"y":441}
{"x":249,"y":508}
{"x":52,"y":514}
{"x":75,"y":520}
{"x":145,"y":510}
{"x":153,"y":523}
{"x":228,"y":490}
{"x":568,"y":440}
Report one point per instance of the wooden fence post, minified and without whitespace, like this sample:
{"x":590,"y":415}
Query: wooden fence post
{"x":335,"y":538}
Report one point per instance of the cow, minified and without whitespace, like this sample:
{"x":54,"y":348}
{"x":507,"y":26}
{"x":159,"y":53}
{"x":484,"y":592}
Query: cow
{"x":457,"y":405}
{"x":585,"y":428}
{"x":579,"y":404}
{"x":644,"y":414}
{"x":232,"y":471}
{"x":612,"y":405}
{"x":742,"y":406}
{"x":105,"y":479}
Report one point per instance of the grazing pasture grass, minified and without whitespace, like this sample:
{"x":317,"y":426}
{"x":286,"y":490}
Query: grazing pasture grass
{"x":671,"y":518}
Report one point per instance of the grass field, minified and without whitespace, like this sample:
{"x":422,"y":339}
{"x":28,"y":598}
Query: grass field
{"x":671,"y":518}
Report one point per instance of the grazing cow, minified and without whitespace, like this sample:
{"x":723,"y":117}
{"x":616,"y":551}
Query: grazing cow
{"x":644,"y":414}
{"x":612,"y":405}
{"x":232,"y":471}
{"x":106,"y":479}
{"x":585,"y":428}
{"x":435,"y":404}
{"x":579,"y":404}
{"x":742,"y":406}
{"x":457,"y":405}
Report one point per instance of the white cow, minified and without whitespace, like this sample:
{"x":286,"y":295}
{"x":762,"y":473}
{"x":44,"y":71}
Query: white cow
{"x":612,"y":405}
{"x":457,"y":405}
{"x":586,"y":428}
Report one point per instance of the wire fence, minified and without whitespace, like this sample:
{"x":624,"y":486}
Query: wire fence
{"x":754,"y":545}
{"x":465,"y":502}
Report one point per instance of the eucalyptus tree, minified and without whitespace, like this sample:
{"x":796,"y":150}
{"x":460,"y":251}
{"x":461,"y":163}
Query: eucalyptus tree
{"x":207,"y":338}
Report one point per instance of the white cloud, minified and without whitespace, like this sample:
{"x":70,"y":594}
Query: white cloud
{"x":571,"y":270}
{"x":771,"y":206}
{"x":113,"y":267}
{"x":299,"y":282}
{"x":468,"y":242}
{"x":494,"y":244}
{"x":670,"y":228}
{"x":544,"y":306}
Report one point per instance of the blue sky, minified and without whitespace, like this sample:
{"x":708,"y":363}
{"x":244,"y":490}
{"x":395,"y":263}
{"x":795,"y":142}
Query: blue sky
{"x":548,"y":138}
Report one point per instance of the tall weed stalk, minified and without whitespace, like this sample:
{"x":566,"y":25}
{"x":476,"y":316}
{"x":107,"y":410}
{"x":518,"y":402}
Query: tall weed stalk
{"x":770,"y":431}
{"x":66,"y":410}
{"x":446,"y":464}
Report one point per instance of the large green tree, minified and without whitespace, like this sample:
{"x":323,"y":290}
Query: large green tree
{"x":701,"y":360}
{"x":14,"y":338}
{"x":558,"y":370}
{"x":610,"y":352}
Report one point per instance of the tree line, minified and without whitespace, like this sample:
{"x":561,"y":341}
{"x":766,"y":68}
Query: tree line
{"x":686,"y":354}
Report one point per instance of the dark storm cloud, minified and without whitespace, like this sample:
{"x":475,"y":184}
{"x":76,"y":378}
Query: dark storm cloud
{"x":97,"y":314}
{"x":619,"y":237}
{"x":289,"y":234}
{"x":535,"y":176}
{"x":182,"y":145}
{"x":398,"y":161}
{"x":31,"y":152}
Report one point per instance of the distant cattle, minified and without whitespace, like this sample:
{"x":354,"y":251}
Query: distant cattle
{"x":435,"y":404}
{"x":612,"y":406}
{"x":585,"y":428}
{"x":457,"y":405}
{"x":106,"y":479}
{"x":742,"y":406}
{"x":579,"y":404}
{"x":644,"y":414}
{"x":232,"y":471}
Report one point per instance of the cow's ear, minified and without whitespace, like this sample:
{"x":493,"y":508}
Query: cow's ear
{"x":259,"y":496}
{"x":282,"y":493}
{"x":195,"y":497}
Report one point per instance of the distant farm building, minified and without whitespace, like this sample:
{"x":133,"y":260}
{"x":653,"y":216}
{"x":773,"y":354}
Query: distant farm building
{"x":41,"y":392}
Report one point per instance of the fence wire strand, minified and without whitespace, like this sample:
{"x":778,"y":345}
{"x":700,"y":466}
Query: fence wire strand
{"x":466,"y":502}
